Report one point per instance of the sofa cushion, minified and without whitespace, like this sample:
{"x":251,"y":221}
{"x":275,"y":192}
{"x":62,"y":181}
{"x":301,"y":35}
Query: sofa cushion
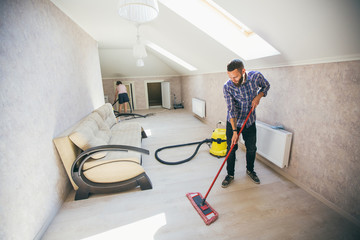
{"x":106,"y":112}
{"x":88,"y":135}
{"x":100,"y":122}
{"x":126,"y":128}
{"x":114,"y":171}
{"x":113,"y":156}
{"x":103,"y":131}
{"x":124,"y":133}
{"x":127,"y":138}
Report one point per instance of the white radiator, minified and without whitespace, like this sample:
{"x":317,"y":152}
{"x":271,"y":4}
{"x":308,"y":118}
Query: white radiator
{"x":198,"y":107}
{"x":273,"y":144}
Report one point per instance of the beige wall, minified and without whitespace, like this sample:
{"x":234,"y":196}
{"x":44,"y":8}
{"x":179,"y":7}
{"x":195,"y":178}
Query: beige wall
{"x":206,"y":87}
{"x":320,"y":105}
{"x":140,"y":90}
{"x":50,"y":78}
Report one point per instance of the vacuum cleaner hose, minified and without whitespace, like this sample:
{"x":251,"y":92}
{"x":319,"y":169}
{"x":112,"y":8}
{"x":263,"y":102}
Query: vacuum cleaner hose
{"x":181,"y":145}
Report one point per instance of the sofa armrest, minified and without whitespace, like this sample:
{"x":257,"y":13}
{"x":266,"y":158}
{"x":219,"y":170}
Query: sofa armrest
{"x":76,"y":170}
{"x":122,"y":148}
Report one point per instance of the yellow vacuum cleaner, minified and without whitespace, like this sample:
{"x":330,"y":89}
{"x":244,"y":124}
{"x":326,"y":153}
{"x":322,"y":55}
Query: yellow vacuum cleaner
{"x":218,"y":146}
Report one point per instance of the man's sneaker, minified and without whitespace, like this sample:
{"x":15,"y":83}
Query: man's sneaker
{"x":253,"y":176}
{"x":228,"y":179}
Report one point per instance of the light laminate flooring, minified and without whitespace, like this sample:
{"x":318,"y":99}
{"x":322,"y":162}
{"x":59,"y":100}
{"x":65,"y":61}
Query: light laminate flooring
{"x":275,"y":209}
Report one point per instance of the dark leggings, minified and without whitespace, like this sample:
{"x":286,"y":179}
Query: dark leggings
{"x":249,"y":136}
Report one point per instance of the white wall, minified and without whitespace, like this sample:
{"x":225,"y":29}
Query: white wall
{"x":49,"y":79}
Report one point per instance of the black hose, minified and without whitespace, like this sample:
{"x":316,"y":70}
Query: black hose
{"x":181,"y":145}
{"x":134,"y":115}
{"x":117,"y":114}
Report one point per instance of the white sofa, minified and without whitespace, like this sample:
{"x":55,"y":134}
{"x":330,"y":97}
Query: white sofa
{"x":103,"y":156}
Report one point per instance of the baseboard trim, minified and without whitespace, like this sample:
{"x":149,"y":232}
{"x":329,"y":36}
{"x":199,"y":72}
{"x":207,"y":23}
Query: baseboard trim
{"x":47,"y":223}
{"x":53,"y":213}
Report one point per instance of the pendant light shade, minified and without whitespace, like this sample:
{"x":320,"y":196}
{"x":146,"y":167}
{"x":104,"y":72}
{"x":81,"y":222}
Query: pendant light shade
{"x":140,"y":62}
{"x":139,"y":11}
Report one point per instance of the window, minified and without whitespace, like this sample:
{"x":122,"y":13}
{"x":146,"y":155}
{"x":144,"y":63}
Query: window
{"x":223,"y":27}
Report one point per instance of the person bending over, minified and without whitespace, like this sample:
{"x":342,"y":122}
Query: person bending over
{"x":122,"y":96}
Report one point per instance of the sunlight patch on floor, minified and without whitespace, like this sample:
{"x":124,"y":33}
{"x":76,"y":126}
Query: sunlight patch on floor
{"x":144,"y":229}
{"x":148,"y":132}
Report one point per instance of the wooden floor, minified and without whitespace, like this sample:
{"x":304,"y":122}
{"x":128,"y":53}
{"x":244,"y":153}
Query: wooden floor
{"x":275,"y":209}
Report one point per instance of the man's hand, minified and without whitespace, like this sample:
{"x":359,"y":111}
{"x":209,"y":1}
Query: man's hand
{"x":234,"y":139}
{"x":255,"y":102}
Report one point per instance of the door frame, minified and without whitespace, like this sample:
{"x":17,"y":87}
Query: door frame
{"x":166,"y":95}
{"x":146,"y":91}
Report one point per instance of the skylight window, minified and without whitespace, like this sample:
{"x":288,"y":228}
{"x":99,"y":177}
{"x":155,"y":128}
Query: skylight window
{"x":223,"y":27}
{"x":170,"y":56}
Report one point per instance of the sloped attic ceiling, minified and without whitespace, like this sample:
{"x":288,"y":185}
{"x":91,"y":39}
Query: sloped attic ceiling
{"x":303,"y":31}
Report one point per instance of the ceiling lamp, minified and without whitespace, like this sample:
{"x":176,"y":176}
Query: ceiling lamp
{"x":139,"y":50}
{"x":138,"y":11}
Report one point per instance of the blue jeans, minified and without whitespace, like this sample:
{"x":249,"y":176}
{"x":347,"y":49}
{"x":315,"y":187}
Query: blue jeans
{"x":249,"y":136}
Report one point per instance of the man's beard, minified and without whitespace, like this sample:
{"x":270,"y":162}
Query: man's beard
{"x":241,"y":79}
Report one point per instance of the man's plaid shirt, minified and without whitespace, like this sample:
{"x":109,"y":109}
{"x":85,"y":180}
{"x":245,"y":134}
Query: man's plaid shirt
{"x":238,"y":99}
